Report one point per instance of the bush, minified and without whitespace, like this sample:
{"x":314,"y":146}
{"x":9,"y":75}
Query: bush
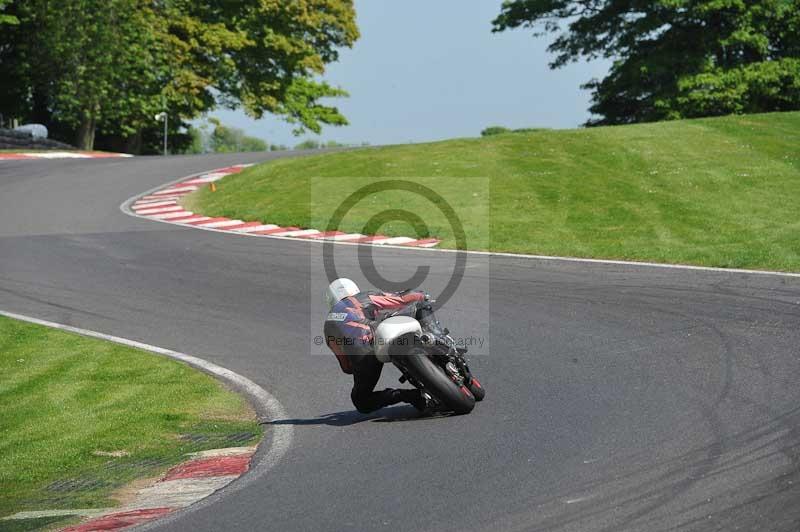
{"x":494,"y":130}
{"x":308,"y":144}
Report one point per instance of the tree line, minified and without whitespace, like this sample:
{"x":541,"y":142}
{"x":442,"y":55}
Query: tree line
{"x":226,"y":139}
{"x":673,"y":58}
{"x":96,"y":72}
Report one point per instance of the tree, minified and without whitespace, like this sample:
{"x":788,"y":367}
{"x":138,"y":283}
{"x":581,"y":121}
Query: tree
{"x":200,"y":140}
{"x":494,"y":130}
{"x":86,"y":65}
{"x":221,"y":139}
{"x":4,"y":18}
{"x":225,"y":139}
{"x":264,"y":55}
{"x":674,"y":58}
{"x":110,"y":65}
{"x":309,"y":144}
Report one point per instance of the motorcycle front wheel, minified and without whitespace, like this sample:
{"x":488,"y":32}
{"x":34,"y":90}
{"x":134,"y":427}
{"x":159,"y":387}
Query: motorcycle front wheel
{"x":477,"y":389}
{"x":452,"y":396}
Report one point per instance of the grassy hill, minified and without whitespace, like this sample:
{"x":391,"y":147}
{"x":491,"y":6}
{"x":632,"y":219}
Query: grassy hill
{"x":716,"y":192}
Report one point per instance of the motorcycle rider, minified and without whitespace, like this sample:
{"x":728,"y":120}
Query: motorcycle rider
{"x":349,"y":329}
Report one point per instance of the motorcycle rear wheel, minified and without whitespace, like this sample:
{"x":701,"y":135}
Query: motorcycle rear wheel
{"x":456,"y":398}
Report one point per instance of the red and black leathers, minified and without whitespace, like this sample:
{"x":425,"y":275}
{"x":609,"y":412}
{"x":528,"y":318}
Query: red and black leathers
{"x":349,"y":329}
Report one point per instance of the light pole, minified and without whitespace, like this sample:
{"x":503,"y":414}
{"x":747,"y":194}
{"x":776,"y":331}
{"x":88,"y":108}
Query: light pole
{"x":159,"y":117}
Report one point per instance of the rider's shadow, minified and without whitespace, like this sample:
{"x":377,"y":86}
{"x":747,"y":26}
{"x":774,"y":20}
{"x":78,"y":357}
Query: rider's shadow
{"x":353,"y":417}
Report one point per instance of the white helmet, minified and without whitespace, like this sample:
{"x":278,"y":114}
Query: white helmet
{"x":340,"y":289}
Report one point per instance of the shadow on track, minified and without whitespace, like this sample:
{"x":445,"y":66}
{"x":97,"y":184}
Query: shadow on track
{"x":353,"y":417}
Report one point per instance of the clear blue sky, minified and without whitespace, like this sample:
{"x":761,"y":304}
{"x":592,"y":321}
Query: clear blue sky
{"x":427,"y":70}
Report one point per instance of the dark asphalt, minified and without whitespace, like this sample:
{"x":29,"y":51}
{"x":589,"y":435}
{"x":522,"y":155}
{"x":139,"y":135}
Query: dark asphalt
{"x":619,"y":397}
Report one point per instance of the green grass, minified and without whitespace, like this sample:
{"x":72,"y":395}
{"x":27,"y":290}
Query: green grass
{"x":716,"y":192}
{"x":66,"y":399}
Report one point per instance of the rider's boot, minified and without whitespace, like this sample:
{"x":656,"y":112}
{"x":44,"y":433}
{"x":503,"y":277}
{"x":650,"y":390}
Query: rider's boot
{"x":418,"y":399}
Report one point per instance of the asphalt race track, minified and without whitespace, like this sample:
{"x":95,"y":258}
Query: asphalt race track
{"x":619,"y":397}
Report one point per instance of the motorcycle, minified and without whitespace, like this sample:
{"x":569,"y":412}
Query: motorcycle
{"x":429,"y":359}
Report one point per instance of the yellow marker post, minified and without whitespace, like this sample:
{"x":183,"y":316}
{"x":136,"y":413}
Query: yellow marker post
{"x":213,"y":187}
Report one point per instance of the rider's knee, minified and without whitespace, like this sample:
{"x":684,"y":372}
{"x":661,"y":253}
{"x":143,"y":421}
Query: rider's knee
{"x":360,"y":403}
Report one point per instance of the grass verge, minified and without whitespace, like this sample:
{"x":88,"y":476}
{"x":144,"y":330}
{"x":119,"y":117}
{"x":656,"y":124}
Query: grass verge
{"x":81,"y":418}
{"x":714,"y":192}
